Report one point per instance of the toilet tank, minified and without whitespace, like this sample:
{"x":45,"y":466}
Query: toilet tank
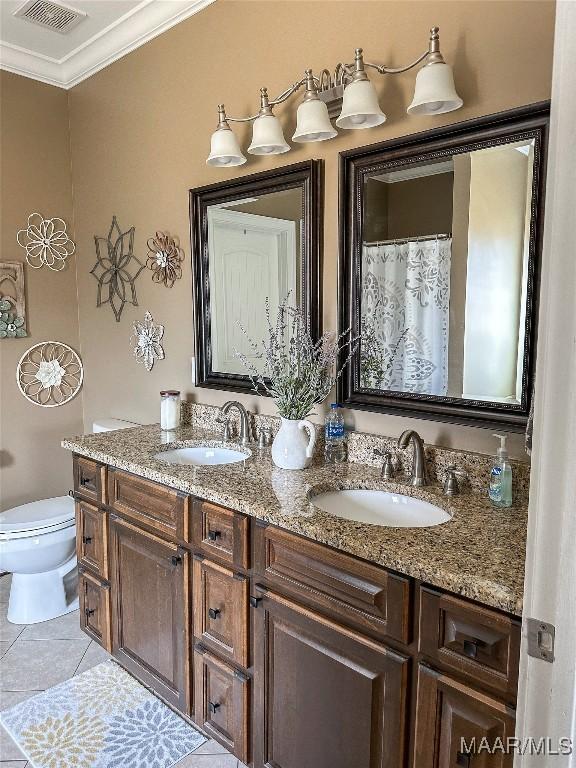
{"x":108,"y":425}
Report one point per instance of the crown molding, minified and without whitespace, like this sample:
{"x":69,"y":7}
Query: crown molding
{"x":148,"y":20}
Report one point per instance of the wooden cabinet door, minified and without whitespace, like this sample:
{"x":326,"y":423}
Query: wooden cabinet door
{"x":458,"y":727}
{"x":324,"y":695}
{"x":150,"y":616}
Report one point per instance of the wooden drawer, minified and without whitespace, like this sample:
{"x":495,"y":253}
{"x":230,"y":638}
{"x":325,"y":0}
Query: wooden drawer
{"x":155,"y":506}
{"x":364,"y":595}
{"x":221,"y":533}
{"x":92,"y":538}
{"x":222,"y":702}
{"x":451,"y":718}
{"x":478,"y":643}
{"x":90,"y":479}
{"x":95,"y":609}
{"x":221,"y":610}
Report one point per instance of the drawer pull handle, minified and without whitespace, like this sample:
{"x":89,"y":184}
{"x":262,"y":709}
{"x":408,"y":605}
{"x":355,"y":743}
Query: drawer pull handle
{"x":471,"y":648}
{"x":89,"y":612}
{"x":86,"y":539}
{"x":214,"y":535}
{"x":255,"y":601}
{"x":176,"y":559}
{"x":463,"y":759}
{"x":214,"y":613}
{"x":214,"y":707}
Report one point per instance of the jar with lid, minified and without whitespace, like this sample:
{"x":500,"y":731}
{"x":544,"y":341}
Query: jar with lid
{"x":169,"y":409}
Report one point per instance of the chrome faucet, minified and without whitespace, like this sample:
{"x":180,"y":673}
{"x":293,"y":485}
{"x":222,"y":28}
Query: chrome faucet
{"x":418,"y":460}
{"x":244,"y":436}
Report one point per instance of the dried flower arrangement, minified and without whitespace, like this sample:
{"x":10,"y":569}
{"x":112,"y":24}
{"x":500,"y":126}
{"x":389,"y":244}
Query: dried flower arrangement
{"x":164,"y":259}
{"x":298,"y":372}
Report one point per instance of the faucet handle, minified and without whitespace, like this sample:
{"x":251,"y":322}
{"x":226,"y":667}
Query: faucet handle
{"x":451,"y":487}
{"x":387,"y":465}
{"x":264,"y":436}
{"x":227,"y":427}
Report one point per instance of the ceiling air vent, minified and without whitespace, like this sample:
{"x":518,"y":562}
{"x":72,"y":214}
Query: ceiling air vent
{"x":55,"y":16}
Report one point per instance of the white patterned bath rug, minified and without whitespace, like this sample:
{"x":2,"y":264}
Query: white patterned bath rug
{"x":102,"y":718}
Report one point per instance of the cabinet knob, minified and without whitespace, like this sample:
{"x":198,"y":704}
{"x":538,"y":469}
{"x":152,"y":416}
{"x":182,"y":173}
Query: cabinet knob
{"x":214,"y":613}
{"x":89,"y":612}
{"x":255,"y":601}
{"x":214,"y":535}
{"x":463,"y":759}
{"x":86,"y":539}
{"x":471,"y":648}
{"x":176,"y":559}
{"x":213,"y":706}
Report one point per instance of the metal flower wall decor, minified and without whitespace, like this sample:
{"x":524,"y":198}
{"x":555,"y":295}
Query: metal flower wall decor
{"x":12,"y":300}
{"x":164,"y":259}
{"x":46,"y":242}
{"x":113,"y":269}
{"x":49,"y":374}
{"x":148,"y":336}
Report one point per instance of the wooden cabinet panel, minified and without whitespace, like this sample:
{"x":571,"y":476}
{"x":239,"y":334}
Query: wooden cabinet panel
{"x":157,"y":507}
{"x":478,"y":643}
{"x":450,"y":716}
{"x":325,"y":696}
{"x":95,"y":619}
{"x":89,"y":479}
{"x":221,"y":610}
{"x":221,"y":534}
{"x":362,"y":594}
{"x":222,"y":703}
{"x":150,"y":614}
{"x":92,"y":538}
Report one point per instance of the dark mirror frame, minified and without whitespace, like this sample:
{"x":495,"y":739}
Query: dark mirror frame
{"x":356,"y":165}
{"x":306,"y":176}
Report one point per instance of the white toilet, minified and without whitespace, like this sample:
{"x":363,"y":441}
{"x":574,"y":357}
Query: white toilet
{"x":38,"y":545}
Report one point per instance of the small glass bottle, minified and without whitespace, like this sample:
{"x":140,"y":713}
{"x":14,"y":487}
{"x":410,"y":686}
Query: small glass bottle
{"x":169,"y":409}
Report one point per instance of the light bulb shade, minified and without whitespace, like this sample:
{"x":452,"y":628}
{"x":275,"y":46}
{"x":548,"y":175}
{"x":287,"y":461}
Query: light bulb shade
{"x":313,"y":122}
{"x":224,"y":149}
{"x":360,"y":108}
{"x":434,"y":92}
{"x":267,"y":137}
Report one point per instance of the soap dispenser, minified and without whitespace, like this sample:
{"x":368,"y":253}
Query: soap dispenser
{"x":500,"y":489}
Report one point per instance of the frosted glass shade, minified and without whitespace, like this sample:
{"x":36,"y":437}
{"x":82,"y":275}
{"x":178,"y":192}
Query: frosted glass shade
{"x":434,"y":92}
{"x":224,"y":149}
{"x":313,"y":122}
{"x":360,"y":108}
{"x":267,"y":137}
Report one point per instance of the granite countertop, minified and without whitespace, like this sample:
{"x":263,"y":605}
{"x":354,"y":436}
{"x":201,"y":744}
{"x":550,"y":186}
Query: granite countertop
{"x":479,"y":553}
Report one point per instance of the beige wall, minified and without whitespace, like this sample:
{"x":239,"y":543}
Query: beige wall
{"x":140,"y":134}
{"x":35,"y":176}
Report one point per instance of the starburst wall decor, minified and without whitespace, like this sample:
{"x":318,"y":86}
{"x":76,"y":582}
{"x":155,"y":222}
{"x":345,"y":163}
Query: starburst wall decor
{"x":112,"y":269}
{"x":164,"y":259}
{"x":148,"y":336}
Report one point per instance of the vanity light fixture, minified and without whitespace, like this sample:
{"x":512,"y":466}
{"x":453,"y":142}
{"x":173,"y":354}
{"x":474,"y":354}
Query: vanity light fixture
{"x":348,"y":93}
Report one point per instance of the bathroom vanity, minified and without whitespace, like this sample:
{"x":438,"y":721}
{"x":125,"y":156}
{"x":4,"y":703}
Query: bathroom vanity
{"x":294,"y":638}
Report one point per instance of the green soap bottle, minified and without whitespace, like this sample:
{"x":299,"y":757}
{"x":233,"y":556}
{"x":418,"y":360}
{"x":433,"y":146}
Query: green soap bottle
{"x":500,"y":489}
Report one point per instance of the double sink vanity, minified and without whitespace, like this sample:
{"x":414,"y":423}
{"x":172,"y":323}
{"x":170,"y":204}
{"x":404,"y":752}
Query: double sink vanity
{"x":255,"y":602}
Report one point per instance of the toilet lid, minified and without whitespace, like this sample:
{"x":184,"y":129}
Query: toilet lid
{"x":45,"y":513}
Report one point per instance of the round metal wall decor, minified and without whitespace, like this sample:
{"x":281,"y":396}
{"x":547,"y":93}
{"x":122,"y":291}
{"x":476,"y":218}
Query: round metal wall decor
{"x":49,"y":374}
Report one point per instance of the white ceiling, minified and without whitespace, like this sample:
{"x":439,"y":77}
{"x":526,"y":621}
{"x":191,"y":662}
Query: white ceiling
{"x":111,"y":29}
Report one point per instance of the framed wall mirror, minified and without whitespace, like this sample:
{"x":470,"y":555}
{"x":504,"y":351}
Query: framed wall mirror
{"x":254,"y":238}
{"x":440,"y":239}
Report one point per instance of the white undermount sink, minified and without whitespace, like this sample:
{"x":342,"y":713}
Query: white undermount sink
{"x":202,"y":456}
{"x":380,"y":508}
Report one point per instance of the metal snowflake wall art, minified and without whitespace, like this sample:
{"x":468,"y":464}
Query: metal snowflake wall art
{"x":49,"y":374}
{"x":46,"y":242}
{"x":164,"y":259}
{"x":148,"y":336}
{"x":112,"y":269}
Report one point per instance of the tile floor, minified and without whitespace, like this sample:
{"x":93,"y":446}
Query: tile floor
{"x":37,"y":656}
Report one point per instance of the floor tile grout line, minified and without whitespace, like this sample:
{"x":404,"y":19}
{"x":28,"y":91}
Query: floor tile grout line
{"x":82,"y":659}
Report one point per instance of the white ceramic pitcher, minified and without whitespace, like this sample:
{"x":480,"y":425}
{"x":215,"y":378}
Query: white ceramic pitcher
{"x":294,"y":443}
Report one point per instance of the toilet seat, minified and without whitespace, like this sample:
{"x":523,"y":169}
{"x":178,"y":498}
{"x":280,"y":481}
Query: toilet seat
{"x":37,"y":518}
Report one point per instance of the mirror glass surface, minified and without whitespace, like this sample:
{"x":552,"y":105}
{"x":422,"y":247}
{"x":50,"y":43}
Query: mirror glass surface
{"x":444,"y":272}
{"x":254,"y":255}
